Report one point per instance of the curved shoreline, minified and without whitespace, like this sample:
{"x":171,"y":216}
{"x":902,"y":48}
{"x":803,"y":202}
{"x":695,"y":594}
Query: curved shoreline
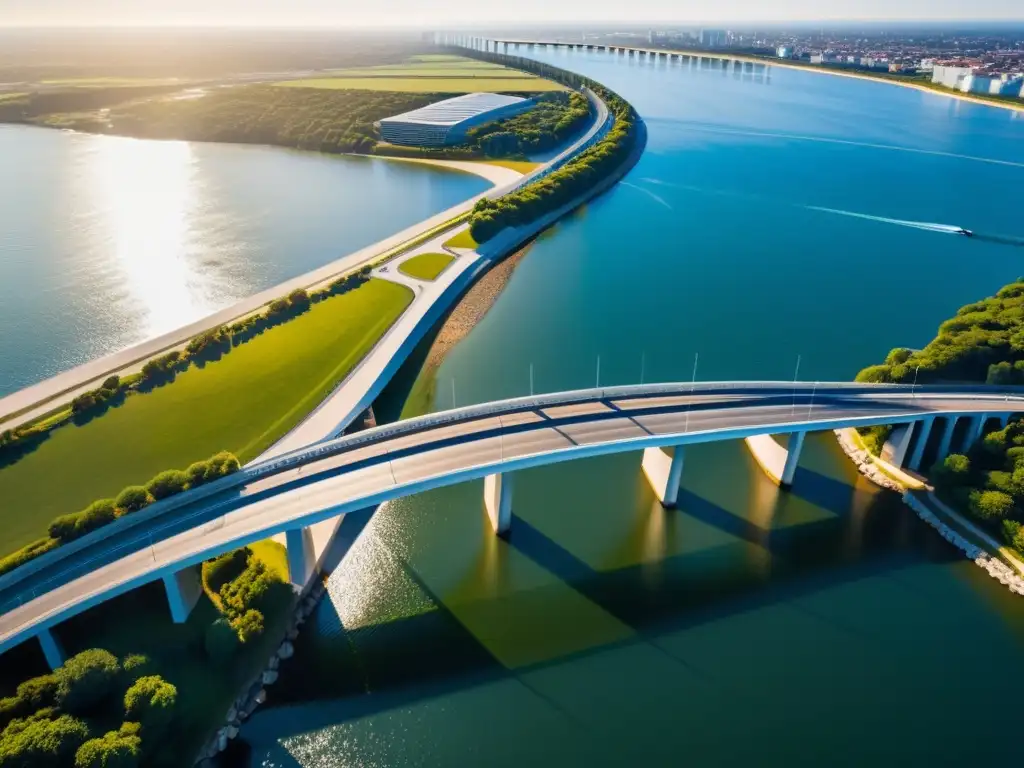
{"x":39,"y":399}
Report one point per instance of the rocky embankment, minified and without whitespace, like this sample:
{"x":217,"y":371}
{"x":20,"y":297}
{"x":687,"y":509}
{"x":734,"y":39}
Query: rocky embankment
{"x":995,"y":567}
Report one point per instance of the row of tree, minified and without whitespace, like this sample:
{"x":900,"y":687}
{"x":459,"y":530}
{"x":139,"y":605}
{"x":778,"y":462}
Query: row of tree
{"x":564,"y":185}
{"x":75,"y":525}
{"x":984,"y":342}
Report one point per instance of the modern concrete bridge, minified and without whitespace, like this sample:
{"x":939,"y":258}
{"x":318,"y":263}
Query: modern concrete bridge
{"x":292,"y":492}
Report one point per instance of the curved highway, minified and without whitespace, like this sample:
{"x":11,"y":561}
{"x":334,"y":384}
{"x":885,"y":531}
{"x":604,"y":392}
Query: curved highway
{"x":372,"y":467}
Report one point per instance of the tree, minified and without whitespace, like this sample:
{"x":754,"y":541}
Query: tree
{"x":1000,"y":373}
{"x":133,"y":498}
{"x":167,"y":484}
{"x":197,"y":473}
{"x":39,"y":692}
{"x":41,"y":741}
{"x":115,"y":749}
{"x":86,"y":680}
{"x":249,"y":625}
{"x":150,"y":702}
{"x":226,"y":568}
{"x":990,"y":505}
{"x":954,"y":471}
{"x":111,"y":383}
{"x":136,"y":665}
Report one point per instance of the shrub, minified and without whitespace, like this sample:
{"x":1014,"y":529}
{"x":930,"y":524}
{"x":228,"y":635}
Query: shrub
{"x":1014,"y":456}
{"x":1000,"y":374}
{"x":298,"y":298}
{"x":111,"y":383}
{"x":222,"y":464}
{"x":136,"y":665}
{"x":197,"y":473}
{"x":256,"y":587}
{"x":995,"y":444}
{"x":225,"y":568}
{"x":990,"y":505}
{"x":1000,"y":481}
{"x":86,"y":680}
{"x":11,"y":708}
{"x":115,"y":749}
{"x":39,"y":692}
{"x":150,"y":702}
{"x":167,"y":484}
{"x":27,"y":553}
{"x":221,"y":641}
{"x":954,"y":471}
{"x":249,"y":625}
{"x":76,"y":525}
{"x":133,"y":498}
{"x":1013,"y":532}
{"x":42,"y":741}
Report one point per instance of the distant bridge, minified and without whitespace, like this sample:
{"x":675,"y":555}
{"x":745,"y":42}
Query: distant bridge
{"x":291,"y":492}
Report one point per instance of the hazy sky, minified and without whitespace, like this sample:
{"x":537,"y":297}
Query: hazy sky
{"x":449,"y":12}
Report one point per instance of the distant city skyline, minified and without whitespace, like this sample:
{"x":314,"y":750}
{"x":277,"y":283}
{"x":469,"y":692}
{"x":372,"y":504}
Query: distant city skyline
{"x":451,"y":12}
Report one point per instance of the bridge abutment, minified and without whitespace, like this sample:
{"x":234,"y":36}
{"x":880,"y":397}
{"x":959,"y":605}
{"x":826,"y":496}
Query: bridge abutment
{"x":183,"y":590}
{"x":498,"y":501}
{"x":53,"y":651}
{"x":895,"y":449}
{"x":664,"y":472}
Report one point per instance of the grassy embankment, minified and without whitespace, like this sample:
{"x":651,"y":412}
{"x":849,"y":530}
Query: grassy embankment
{"x":522,"y":166}
{"x":242,"y":403}
{"x":426,"y":266}
{"x":462,"y":240}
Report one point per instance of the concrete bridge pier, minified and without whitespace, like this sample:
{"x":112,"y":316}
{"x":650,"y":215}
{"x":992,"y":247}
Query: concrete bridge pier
{"x":498,"y":501}
{"x":946,"y":442}
{"x":664,"y":473}
{"x":895,"y":449}
{"x":301,"y":556}
{"x":974,"y":431}
{"x":777,"y":462}
{"x":183,"y":590}
{"x":52,"y":649}
{"x":922,"y":442}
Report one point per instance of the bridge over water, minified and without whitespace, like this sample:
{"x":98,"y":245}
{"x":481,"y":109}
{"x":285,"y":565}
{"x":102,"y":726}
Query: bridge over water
{"x":292,"y":492}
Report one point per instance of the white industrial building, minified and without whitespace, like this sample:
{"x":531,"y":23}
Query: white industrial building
{"x":446,"y":122}
{"x":950,"y":75}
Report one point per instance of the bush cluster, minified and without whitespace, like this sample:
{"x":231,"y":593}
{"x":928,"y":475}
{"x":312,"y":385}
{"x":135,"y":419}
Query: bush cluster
{"x":248,"y":592}
{"x":988,"y":482}
{"x":553,"y":119}
{"x":97,"y":397}
{"x":983,"y":343}
{"x":53,"y":720}
{"x":75,"y":525}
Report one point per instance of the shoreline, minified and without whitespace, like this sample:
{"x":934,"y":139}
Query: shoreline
{"x":44,"y":397}
{"x":932,"y":511}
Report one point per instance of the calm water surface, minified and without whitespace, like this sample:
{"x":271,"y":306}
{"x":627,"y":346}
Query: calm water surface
{"x":824,"y":626}
{"x":106,"y":241}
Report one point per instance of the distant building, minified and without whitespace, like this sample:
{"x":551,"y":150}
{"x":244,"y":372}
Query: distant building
{"x":446,"y":122}
{"x":950,"y":74}
{"x":785,"y":51}
{"x":714,"y":38}
{"x":992,"y":84}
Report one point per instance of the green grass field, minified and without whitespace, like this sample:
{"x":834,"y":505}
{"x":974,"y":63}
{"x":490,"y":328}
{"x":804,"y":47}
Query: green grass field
{"x":426,"y":266}
{"x":524,"y":84}
{"x":241,"y":403}
{"x":462,"y":240}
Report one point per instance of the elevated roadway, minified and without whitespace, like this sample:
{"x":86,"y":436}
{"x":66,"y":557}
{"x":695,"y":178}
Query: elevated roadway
{"x":290,"y":492}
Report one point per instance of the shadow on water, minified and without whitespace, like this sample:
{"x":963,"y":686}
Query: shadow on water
{"x":397,"y":662}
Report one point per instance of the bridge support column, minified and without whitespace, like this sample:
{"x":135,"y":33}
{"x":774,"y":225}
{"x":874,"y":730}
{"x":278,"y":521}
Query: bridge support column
{"x":947,"y":439}
{"x":796,"y":445}
{"x":498,"y":501}
{"x":663,"y":473}
{"x":922,"y":442}
{"x":52,"y":649}
{"x":974,"y":430}
{"x":895,"y":449}
{"x":1004,"y":420}
{"x":301,"y":556}
{"x":183,"y":590}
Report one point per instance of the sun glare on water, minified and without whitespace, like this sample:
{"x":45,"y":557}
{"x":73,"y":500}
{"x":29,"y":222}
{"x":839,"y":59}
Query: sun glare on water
{"x":146,"y":194}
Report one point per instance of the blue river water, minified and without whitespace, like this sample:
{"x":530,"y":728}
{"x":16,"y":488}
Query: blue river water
{"x":106,"y":241}
{"x":779,"y":225}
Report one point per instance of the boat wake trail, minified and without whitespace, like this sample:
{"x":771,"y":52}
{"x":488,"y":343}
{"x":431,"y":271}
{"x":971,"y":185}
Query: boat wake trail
{"x":657,"y":198}
{"x":1016,"y":242}
{"x":947,"y":229}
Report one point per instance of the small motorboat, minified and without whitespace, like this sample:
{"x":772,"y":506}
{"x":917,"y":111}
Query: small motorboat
{"x":965,"y":232}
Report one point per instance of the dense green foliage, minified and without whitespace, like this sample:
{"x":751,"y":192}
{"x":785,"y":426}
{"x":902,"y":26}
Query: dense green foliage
{"x":55,"y":716}
{"x":983,"y":343}
{"x":988,"y":482}
{"x":551,"y":121}
{"x":571,"y":180}
{"x":224,"y":568}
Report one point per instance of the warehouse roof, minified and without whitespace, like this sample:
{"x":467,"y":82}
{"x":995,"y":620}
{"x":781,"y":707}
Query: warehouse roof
{"x":454,"y":111}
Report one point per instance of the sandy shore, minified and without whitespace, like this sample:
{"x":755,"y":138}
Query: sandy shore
{"x":472,"y":308}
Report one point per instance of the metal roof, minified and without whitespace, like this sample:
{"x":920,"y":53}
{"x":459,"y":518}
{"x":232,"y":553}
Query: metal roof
{"x":454,"y":111}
